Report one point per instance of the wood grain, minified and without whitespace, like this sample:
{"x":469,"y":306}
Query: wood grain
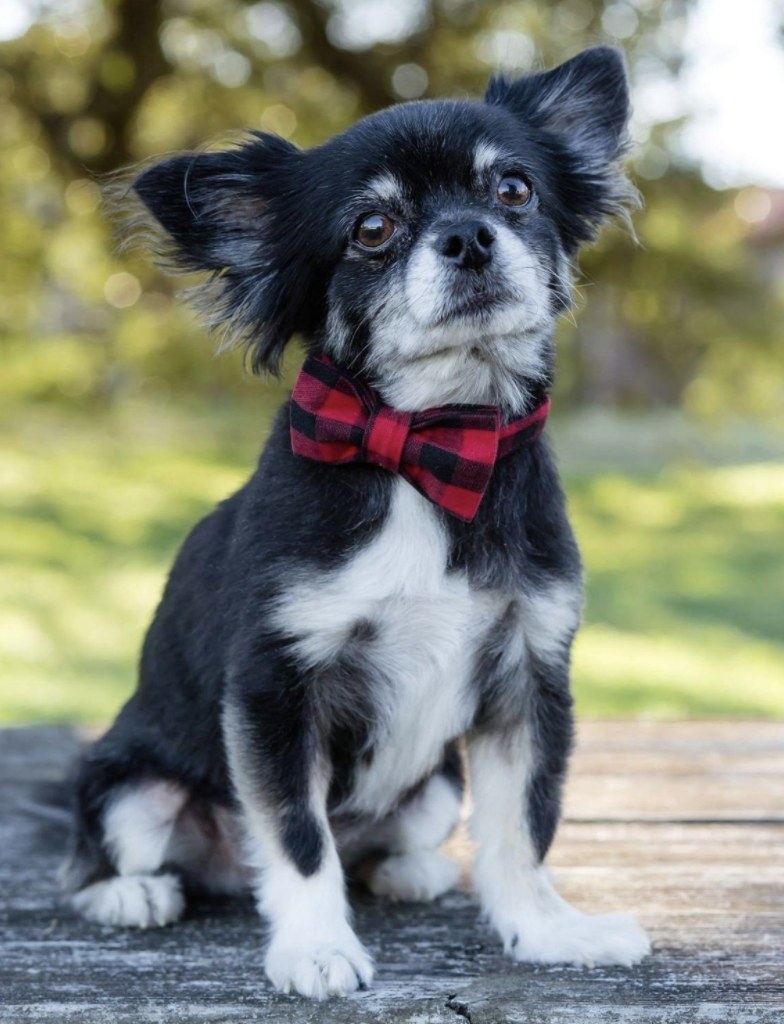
{"x":681,"y":822}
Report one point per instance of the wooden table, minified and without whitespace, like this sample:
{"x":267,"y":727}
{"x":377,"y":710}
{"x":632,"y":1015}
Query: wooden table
{"x":682,"y":822}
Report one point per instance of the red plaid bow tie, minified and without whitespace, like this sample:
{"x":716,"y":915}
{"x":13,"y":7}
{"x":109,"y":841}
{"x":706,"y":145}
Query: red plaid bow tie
{"x":447,"y":453}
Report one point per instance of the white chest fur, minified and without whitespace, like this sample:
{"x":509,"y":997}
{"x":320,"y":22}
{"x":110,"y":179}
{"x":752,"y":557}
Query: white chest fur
{"x":427,"y":625}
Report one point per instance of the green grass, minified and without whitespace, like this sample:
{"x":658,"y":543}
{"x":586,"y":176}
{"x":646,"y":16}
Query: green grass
{"x":685,"y":591}
{"x":685,"y":562}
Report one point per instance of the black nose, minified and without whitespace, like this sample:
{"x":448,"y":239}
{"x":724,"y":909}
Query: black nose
{"x":467,"y":244}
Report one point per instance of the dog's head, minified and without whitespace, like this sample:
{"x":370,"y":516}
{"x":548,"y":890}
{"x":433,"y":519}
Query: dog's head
{"x":427,"y":247}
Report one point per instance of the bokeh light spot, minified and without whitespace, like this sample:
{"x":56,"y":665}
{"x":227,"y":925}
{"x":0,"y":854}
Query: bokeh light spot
{"x":279,"y":119}
{"x":753,"y":205}
{"x":122,"y":290}
{"x":409,"y":81}
{"x":87,"y":136}
{"x":82,"y":196}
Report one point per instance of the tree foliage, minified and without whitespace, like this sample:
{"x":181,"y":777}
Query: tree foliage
{"x":689,"y":315}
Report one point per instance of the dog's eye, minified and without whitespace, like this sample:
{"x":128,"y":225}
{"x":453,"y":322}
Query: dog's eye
{"x":513,"y":190}
{"x":374,"y":230}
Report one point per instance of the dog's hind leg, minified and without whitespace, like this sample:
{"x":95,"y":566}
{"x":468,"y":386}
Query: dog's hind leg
{"x":120,"y":855}
{"x":410,"y":868}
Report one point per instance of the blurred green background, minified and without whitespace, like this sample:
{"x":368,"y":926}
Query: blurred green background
{"x":119,"y":426}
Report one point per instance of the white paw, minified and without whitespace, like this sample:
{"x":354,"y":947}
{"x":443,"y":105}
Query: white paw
{"x":582,"y":939}
{"x":132,"y":901}
{"x":319,"y":970}
{"x":414,"y":877}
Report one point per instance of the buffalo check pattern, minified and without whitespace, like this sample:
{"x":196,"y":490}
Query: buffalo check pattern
{"x":447,"y":453}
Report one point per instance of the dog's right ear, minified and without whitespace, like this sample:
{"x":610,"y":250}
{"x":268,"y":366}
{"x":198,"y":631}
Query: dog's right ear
{"x":227,"y":213}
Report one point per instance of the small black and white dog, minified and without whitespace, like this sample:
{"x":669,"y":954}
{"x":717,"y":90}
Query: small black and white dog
{"x":328,"y":634}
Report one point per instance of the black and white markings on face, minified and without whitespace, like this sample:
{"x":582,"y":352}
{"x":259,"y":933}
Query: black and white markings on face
{"x":473,"y":264}
{"x":386,"y":188}
{"x":486,"y":156}
{"x":445,"y":288}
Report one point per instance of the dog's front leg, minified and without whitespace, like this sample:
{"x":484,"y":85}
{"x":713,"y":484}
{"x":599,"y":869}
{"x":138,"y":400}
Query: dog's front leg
{"x":281,"y":778}
{"x":517,"y":769}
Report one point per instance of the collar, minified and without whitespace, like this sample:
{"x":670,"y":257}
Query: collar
{"x":448,"y":453}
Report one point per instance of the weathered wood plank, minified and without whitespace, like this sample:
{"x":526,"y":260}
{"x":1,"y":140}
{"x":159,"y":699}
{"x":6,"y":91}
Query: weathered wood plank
{"x":711,"y":893}
{"x":694,"y":737}
{"x":676,"y":798}
{"x":678,"y":771}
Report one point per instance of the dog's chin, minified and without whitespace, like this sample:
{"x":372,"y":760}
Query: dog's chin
{"x":462,"y":375}
{"x":470,"y":360}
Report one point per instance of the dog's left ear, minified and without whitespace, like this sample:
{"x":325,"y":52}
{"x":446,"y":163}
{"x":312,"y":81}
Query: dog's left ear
{"x":230,"y":213}
{"x":582,"y":110}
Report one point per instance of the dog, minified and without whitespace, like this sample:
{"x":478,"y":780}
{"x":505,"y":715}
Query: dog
{"x":395,"y":590}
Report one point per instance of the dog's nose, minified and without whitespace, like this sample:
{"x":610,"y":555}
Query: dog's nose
{"x":468,"y":244}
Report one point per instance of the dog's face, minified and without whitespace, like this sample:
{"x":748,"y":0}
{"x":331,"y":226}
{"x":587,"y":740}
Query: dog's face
{"x":451,"y":272}
{"x":427,"y":247}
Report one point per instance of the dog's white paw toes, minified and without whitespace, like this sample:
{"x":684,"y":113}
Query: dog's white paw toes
{"x":132,"y":901}
{"x":581,"y":939}
{"x":320,"y":971}
{"x":415,"y":877}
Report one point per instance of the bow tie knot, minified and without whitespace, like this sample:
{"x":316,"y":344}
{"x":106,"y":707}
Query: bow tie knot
{"x":385,"y":436}
{"x":447,"y":453}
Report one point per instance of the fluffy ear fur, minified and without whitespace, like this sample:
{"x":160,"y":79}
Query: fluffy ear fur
{"x":581,"y":110}
{"x":227,"y":213}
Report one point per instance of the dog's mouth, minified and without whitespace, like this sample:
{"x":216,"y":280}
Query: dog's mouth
{"x":478,"y":307}
{"x":448,"y":352}
{"x":479,"y":350}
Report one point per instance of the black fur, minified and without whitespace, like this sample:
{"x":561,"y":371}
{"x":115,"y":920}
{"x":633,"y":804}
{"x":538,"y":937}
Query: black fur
{"x":273,"y":227}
